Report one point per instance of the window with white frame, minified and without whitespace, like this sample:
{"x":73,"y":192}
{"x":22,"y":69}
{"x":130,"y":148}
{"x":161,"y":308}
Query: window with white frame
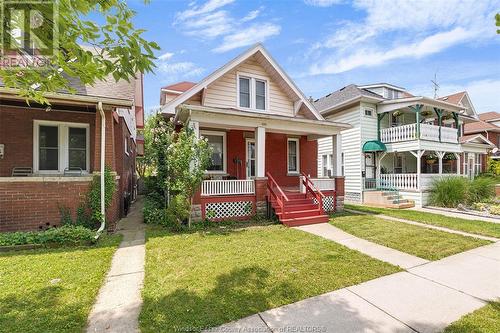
{"x":324,"y":161}
{"x":252,"y":92}
{"x":217,"y":142}
{"x":125,"y":148}
{"x":59,"y":146}
{"x":477,"y":162}
{"x":293,"y":155}
{"x":369,"y":112}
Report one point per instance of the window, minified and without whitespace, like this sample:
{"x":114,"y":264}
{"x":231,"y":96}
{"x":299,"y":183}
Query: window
{"x":369,"y":112}
{"x":59,"y":146}
{"x":293,"y":155}
{"x":216,"y":141}
{"x":342,"y":164}
{"x":325,"y":165}
{"x":48,"y":138}
{"x":330,"y":164}
{"x":260,"y":94}
{"x":77,"y":148}
{"x":244,"y":92}
{"x":125,"y":147}
{"x":477,"y":166}
{"x":252,"y":92}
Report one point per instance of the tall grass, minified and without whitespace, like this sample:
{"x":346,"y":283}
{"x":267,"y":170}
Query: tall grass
{"x":451,"y":191}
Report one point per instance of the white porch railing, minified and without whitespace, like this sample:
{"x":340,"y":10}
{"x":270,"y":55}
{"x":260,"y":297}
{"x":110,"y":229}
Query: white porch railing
{"x":410,"y":181}
{"x":322,"y":184}
{"x":227,"y":187}
{"x":399,"y":133}
{"x":400,"y":181}
{"x":409,"y":132}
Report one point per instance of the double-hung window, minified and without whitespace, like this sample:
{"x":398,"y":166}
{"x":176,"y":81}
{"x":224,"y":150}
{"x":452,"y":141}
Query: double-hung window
{"x":59,"y":146}
{"x":293,"y":156}
{"x":217,"y":143}
{"x":252,"y":93}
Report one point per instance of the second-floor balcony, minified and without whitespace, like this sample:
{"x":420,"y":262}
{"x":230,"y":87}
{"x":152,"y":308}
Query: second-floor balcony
{"x":413,"y":132}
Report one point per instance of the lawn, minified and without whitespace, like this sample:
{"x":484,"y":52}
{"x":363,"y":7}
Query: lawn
{"x":471,"y":226}
{"x":206,"y":278}
{"x":484,"y":320}
{"x":421,"y":242}
{"x":52,"y":290}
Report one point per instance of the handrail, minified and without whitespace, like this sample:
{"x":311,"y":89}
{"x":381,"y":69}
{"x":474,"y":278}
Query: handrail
{"x":314,"y":191}
{"x":277,"y":186}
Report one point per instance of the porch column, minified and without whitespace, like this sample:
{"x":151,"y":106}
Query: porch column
{"x":337,"y":153}
{"x":457,"y":156}
{"x":380,"y":156}
{"x":418,"y":155}
{"x":260,"y":150}
{"x":440,"y":155}
{"x":417,"y":108}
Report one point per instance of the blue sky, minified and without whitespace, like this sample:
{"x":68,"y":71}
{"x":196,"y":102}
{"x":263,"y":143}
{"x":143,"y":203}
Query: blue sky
{"x":327,"y":44}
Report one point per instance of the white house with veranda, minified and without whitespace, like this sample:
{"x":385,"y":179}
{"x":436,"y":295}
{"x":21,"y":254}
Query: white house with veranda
{"x":398,"y":145}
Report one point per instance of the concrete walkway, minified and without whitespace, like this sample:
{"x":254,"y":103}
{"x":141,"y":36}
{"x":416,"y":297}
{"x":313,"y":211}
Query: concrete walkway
{"x":425,"y":298}
{"x":380,"y":252}
{"x":424,"y":225}
{"x":119,"y":300}
{"x":447,"y":212}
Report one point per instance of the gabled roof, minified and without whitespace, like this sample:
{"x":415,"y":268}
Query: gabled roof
{"x":179,"y":86}
{"x":489,"y":116}
{"x":480,"y":126}
{"x":453,"y":98}
{"x":257,"y":49}
{"x":475,"y":139}
{"x":348,"y":93}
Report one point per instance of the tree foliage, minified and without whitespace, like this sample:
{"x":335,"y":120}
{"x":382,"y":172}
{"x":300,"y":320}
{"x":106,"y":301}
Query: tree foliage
{"x":497,"y":17}
{"x":113,"y":47}
{"x":147,"y":164}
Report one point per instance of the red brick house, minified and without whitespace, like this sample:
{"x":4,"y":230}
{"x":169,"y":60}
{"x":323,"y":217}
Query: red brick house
{"x":48,"y":155}
{"x":263,"y":133}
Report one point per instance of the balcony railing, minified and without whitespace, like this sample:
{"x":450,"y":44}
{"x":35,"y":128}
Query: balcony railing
{"x":410,"y":181}
{"x":409,"y":132}
{"x":227,"y":187}
{"x":322,"y":184}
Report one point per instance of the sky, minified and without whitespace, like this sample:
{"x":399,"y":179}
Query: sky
{"x":325,"y":45}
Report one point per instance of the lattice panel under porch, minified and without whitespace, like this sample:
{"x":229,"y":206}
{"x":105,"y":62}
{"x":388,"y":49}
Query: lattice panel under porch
{"x":328,"y":203}
{"x":222,"y":210}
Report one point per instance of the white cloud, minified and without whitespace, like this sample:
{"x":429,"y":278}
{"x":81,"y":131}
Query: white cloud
{"x":176,"y":71}
{"x":322,"y":3}
{"x":211,"y":20}
{"x":248,"y":36}
{"x":396,"y":29}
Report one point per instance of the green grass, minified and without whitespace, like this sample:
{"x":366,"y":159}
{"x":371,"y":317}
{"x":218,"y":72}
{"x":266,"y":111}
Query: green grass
{"x":483,"y":320}
{"x":30,"y":302}
{"x":471,"y":226}
{"x":421,"y":242}
{"x":207,"y":278}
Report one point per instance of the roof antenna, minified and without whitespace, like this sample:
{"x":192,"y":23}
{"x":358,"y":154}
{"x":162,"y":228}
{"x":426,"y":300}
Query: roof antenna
{"x":436,"y":85}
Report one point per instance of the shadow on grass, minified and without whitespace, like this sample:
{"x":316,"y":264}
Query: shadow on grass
{"x":40,"y":311}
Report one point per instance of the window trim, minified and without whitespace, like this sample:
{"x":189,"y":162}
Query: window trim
{"x":126,"y":146}
{"x":297,"y":153}
{"x":63,"y":145}
{"x":224,"y":151}
{"x":369,"y":109}
{"x":253,"y":91}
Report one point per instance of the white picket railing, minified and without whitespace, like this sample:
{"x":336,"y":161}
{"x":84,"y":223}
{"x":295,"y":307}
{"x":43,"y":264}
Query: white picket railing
{"x":399,"y":133}
{"x":227,"y":187}
{"x":322,"y":184}
{"x":400,"y":181}
{"x":409,"y":132}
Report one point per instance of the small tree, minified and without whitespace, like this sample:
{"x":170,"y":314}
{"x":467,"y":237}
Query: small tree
{"x":146,"y":164}
{"x":188,"y":158}
{"x":161,"y":135}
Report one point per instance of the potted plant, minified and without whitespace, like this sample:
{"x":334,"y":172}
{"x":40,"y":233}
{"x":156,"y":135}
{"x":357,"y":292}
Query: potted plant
{"x":431,"y":158}
{"x":397,"y":113}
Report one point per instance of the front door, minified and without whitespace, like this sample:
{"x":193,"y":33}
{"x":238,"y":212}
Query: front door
{"x":250,"y":158}
{"x":370,"y":171}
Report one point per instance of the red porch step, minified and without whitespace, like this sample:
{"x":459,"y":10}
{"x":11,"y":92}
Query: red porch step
{"x":300,"y":210}
{"x":305,"y":220}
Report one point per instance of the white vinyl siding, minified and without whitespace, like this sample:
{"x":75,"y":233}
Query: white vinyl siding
{"x":325,"y":147}
{"x":223,"y":92}
{"x":351,"y":148}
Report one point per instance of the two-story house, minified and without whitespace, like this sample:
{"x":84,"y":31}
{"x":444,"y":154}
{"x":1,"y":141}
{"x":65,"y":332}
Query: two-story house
{"x":398,"y":145}
{"x":263,"y":133}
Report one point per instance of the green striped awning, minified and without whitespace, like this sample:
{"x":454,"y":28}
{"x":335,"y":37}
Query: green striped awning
{"x":373,"y":146}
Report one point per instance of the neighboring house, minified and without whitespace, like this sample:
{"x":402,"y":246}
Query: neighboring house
{"x":489,"y":127}
{"x":48,"y":154}
{"x":399,"y":142}
{"x":263,"y":133}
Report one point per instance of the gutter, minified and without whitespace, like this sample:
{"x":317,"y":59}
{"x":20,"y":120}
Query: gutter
{"x":103,"y":147}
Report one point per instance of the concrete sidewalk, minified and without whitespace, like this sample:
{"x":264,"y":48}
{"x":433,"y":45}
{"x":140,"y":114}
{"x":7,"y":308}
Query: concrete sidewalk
{"x":447,"y":212}
{"x":119,"y":300}
{"x":425,"y":298}
{"x":380,"y":252}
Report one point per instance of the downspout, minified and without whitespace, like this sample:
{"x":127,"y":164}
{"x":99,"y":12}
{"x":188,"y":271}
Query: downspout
{"x":103,"y":145}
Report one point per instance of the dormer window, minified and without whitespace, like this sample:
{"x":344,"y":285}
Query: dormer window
{"x":252,"y":92}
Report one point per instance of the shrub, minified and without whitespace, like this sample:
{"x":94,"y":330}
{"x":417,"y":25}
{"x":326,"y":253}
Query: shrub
{"x":154,"y":212}
{"x":449,"y":191}
{"x":65,"y":235}
{"x":480,"y":189}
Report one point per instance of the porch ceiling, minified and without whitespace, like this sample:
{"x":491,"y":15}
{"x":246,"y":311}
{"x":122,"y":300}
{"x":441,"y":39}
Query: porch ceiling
{"x":401,"y":103}
{"x":236,"y":119}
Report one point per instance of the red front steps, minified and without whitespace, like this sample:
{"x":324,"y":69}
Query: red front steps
{"x":300,"y":210}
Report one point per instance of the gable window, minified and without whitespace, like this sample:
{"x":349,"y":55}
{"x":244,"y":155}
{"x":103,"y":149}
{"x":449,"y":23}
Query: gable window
{"x":252,"y":92}
{"x":217,"y":142}
{"x":369,"y":112}
{"x":58,"y":146}
{"x":293,"y":155}
{"x":244,"y":92}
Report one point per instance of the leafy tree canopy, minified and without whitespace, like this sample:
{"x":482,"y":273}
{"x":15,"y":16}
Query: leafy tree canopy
{"x":113,"y":46}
